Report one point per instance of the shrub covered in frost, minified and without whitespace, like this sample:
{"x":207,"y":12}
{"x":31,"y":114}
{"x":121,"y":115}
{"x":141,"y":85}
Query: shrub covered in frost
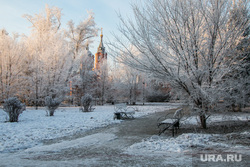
{"x":86,"y":103}
{"x":13,"y":107}
{"x":52,"y":104}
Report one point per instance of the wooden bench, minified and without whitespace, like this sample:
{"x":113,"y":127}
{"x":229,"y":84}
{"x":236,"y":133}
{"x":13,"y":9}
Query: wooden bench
{"x":170,"y":122}
{"x":123,"y":112}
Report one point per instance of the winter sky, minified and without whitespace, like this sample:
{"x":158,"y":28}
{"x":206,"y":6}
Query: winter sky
{"x":11,"y":12}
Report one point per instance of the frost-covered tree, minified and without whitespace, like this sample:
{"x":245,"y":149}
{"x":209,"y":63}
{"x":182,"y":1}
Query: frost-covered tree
{"x":86,"y":103}
{"x":79,"y":37}
{"x":47,"y":56}
{"x":82,"y":34}
{"x":52,"y":104}
{"x":238,"y":79}
{"x":84,"y":80}
{"x":54,"y":56}
{"x":13,"y":107}
{"x":80,"y":73}
{"x":11,"y":65}
{"x":186,"y":43}
{"x":48,"y":60}
{"x":102,"y":82}
{"x":158,"y":91}
{"x":127,"y":84}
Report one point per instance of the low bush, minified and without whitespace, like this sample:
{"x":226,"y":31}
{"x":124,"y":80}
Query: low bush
{"x":13,"y":107}
{"x":86,"y":103}
{"x":52,"y":104}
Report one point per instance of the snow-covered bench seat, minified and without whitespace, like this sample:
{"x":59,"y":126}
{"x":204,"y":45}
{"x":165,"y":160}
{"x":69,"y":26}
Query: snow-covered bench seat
{"x":170,"y":122}
{"x":123,"y":112}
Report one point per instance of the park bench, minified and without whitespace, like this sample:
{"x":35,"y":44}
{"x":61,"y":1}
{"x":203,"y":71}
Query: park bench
{"x":169,"y":122}
{"x":122,"y":111}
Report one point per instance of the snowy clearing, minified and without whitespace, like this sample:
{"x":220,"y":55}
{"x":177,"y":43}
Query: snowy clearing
{"x":34,"y":126}
{"x":181,"y":144}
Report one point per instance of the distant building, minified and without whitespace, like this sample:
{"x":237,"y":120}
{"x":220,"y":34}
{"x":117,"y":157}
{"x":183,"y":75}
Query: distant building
{"x":101,"y":55}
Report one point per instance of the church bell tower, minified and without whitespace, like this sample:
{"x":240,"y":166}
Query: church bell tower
{"x":101,"y":55}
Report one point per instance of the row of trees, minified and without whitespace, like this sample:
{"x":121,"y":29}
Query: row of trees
{"x":200,"y":47}
{"x":43,"y":63}
{"x":130,"y":85}
{"x":56,"y":62}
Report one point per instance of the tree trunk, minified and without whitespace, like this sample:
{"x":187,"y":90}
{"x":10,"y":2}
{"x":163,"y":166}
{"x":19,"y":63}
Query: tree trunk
{"x":203,"y":121}
{"x":36,"y":103}
{"x":51,"y":113}
{"x":13,"y":117}
{"x":86,"y":108}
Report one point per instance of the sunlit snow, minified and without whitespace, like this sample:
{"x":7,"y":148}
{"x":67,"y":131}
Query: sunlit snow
{"x":34,"y":126}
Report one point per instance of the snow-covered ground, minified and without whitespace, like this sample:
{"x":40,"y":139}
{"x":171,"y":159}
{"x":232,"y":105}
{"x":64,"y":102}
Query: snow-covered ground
{"x":23,"y":141}
{"x":34,"y":126}
{"x":181,"y":144}
{"x":187,"y":141}
{"x":194,"y":120}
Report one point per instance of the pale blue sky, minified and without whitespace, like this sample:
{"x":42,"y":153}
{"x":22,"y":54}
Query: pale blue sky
{"x":11,"y":12}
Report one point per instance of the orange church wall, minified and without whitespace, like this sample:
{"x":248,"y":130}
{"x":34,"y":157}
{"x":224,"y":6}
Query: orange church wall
{"x":98,"y":59}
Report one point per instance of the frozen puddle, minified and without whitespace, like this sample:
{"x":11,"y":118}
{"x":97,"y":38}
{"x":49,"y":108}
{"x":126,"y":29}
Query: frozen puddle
{"x":95,"y":139}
